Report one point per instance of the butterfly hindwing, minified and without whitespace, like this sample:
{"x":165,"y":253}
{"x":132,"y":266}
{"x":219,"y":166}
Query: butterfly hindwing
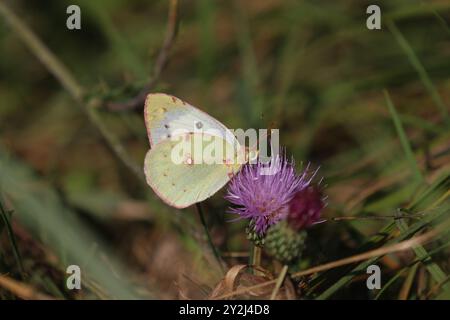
{"x":183,"y":183}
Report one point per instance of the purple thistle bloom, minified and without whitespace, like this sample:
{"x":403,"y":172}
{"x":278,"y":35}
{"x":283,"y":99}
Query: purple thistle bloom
{"x":264,"y":199}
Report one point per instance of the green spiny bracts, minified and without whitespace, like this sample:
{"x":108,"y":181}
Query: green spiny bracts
{"x":284,"y":243}
{"x":254,"y":236}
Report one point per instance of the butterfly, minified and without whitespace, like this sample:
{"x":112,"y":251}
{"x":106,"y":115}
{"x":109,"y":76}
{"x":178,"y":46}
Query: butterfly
{"x":170,"y":122}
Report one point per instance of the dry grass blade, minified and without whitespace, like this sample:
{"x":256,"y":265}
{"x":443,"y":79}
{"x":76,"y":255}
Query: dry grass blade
{"x":231,"y":276}
{"x":436,"y":288}
{"x":22,"y":290}
{"x":235,"y":278}
{"x":228,"y":282}
{"x":245,"y":290}
{"x":279,"y":282}
{"x":374,"y":187}
{"x":401,"y":246}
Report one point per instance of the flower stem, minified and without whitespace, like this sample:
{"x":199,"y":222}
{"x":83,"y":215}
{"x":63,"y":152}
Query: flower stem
{"x":208,"y":236}
{"x":256,"y":258}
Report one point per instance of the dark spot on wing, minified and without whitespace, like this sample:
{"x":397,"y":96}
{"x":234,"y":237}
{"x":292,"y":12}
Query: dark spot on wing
{"x":166,"y":126}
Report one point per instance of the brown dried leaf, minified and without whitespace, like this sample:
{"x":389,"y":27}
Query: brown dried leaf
{"x":235,"y":279}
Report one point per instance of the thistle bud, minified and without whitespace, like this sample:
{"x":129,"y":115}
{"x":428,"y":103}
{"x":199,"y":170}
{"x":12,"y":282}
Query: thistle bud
{"x":284,"y":243}
{"x":305,"y":207}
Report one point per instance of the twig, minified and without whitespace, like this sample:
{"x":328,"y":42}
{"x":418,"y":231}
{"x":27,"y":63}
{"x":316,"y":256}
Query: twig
{"x":64,"y":76}
{"x":161,"y":61}
{"x":372,"y":217}
{"x":22,"y":290}
{"x":208,"y":236}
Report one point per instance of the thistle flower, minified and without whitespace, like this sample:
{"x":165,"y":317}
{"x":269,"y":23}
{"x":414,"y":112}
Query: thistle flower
{"x":264,"y":199}
{"x":305,"y":207}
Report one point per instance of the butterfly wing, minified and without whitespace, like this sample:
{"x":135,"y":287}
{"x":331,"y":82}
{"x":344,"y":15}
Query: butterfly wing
{"x":166,"y":115}
{"x":183,"y":184}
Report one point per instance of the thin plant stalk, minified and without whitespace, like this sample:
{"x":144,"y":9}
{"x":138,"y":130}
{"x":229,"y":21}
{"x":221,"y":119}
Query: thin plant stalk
{"x":256,"y":259}
{"x":6,"y":221}
{"x":279,"y":282}
{"x":208,"y":236}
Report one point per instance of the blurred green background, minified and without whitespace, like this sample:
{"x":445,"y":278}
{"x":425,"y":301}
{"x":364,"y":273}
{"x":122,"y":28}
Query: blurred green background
{"x":310,"y":68}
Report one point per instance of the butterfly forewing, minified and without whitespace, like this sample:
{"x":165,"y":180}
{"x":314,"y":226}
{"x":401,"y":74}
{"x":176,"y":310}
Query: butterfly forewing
{"x":166,"y":116}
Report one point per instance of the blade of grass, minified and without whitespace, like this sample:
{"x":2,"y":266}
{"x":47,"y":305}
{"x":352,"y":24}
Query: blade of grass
{"x":118,"y":42}
{"x":39,"y":208}
{"x":438,"y":16}
{"x":345,"y":279}
{"x":67,"y":80}
{"x":372,"y":254}
{"x":404,"y":292}
{"x":435,"y":271}
{"x":22,"y":290}
{"x":207,"y":57}
{"x":420,"y":69}
{"x":289,"y":62}
{"x":430,"y":197}
{"x":404,"y":140}
{"x":389,"y":283}
{"x":12,"y":239}
{"x":279,"y":282}
{"x":251,"y":87}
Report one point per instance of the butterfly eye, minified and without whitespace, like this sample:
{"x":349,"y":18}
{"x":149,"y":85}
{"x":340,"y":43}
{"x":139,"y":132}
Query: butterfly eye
{"x":199,"y":125}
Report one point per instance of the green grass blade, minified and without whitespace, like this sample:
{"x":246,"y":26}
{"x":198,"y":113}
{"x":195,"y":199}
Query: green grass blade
{"x":40,"y":210}
{"x":404,"y":140}
{"x":251,"y":78}
{"x":389,"y":283}
{"x":435,"y":271}
{"x":377,"y":240}
{"x":424,"y":77}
